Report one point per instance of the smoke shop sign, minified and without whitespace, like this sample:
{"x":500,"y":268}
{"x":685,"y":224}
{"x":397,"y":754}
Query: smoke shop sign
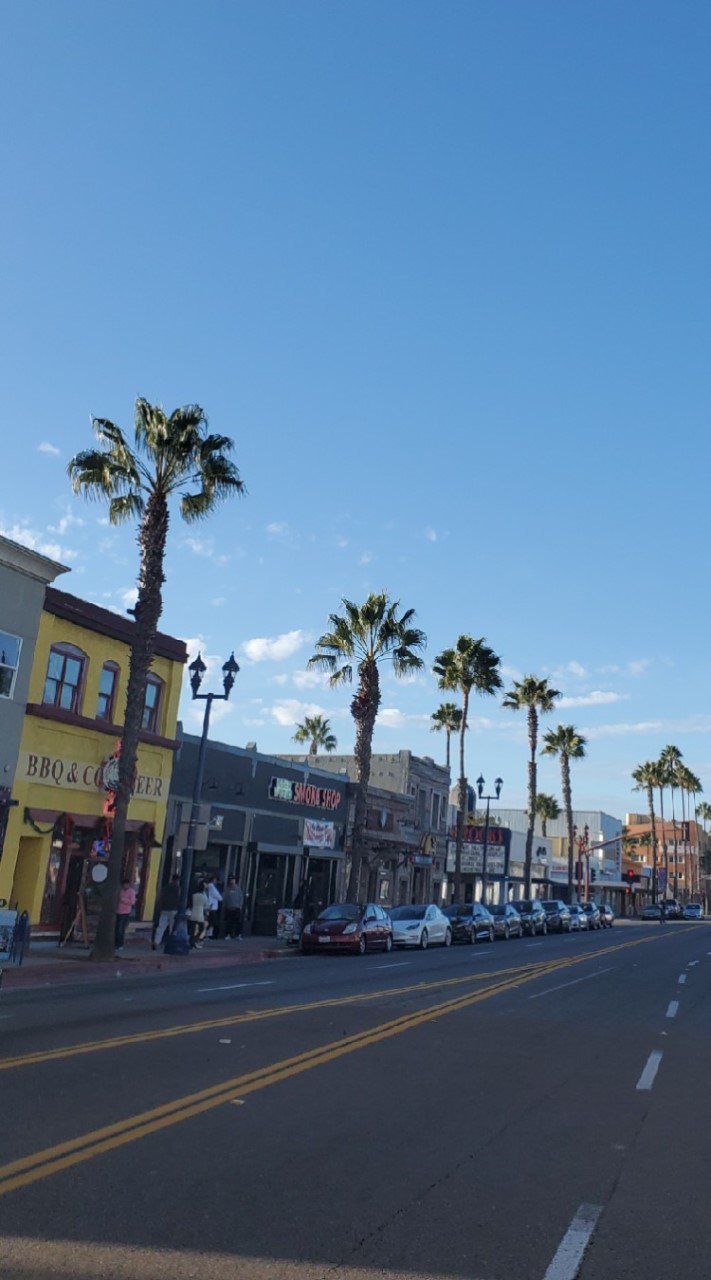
{"x":304,"y":793}
{"x":78,"y":775}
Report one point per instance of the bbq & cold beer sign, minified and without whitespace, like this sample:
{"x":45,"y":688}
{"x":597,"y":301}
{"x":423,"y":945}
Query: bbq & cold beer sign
{"x":55,"y":771}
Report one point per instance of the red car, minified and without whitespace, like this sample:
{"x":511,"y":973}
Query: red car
{"x":346,"y":926}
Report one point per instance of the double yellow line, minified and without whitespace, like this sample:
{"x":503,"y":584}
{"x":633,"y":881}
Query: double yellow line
{"x":65,"y":1155}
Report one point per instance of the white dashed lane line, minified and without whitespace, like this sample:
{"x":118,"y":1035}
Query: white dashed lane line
{"x":569,"y":1254}
{"x":549,"y":990}
{"x":691,"y":964}
{"x":682,"y":978}
{"x":646,"y":1080}
{"x":235,"y":986}
{"x":672,"y":1008}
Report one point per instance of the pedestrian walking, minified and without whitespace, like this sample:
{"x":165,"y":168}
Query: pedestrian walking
{"x":214,"y":899}
{"x":234,"y":905}
{"x":124,"y":907}
{"x":168,"y":905}
{"x":197,"y":915}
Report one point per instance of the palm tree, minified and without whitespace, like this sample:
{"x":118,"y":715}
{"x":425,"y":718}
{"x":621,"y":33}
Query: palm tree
{"x":470,"y":667}
{"x":690,"y":786}
{"x":368,"y":634}
{"x":547,"y":810}
{"x":566,"y":743}
{"x":170,"y":456}
{"x":448,"y":716}
{"x":670,"y":761}
{"x":538,"y":699}
{"x":646,"y":777}
{"x":316,"y":730}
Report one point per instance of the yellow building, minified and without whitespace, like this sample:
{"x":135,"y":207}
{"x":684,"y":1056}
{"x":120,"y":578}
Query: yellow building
{"x":57,"y":832}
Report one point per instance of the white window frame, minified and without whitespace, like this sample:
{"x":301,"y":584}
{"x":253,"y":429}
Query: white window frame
{"x":11,"y":635}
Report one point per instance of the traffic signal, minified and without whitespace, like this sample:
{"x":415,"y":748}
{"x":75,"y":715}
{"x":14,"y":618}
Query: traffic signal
{"x":593,"y":874}
{"x":630,"y":876}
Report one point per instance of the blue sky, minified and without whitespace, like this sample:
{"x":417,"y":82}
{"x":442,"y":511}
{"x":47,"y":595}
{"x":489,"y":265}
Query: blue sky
{"x":442,"y":271}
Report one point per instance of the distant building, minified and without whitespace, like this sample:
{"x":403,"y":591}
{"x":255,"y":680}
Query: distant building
{"x":604,"y":837}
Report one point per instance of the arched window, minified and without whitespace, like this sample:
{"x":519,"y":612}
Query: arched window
{"x":108,"y":687}
{"x":64,"y":684}
{"x":152,"y":704}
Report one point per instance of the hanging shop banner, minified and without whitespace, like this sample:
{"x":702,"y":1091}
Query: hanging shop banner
{"x":319,"y":835}
{"x":473,"y":859}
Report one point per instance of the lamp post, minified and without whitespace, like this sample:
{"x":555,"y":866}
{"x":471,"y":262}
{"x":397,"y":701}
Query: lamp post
{"x":480,"y":784}
{"x":177,"y":942}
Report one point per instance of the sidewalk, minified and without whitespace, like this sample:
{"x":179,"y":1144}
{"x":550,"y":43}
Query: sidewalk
{"x":48,"y":965}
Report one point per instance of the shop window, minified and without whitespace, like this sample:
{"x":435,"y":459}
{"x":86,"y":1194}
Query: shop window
{"x":106,"y":700}
{"x":9,"y":662}
{"x":65,"y":676}
{"x":151,"y":705}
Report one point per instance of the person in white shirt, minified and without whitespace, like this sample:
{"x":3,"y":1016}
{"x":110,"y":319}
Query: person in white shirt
{"x":214,"y":900}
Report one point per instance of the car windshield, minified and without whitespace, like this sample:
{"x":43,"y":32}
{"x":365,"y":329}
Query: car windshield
{"x":408,"y":913}
{"x":452,"y":912}
{"x":550,"y":906}
{"x":341,"y":911}
{"x":575,"y":910}
{"x":496,"y":911}
{"x":523,"y":905}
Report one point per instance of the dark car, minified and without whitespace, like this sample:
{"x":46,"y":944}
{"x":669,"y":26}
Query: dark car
{"x":607,"y":915}
{"x":347,"y":926}
{"x":532,"y":914}
{"x":557,"y":915}
{"x":672,"y":909}
{"x":593,"y":915}
{"x":507,"y":921}
{"x":470,"y":921}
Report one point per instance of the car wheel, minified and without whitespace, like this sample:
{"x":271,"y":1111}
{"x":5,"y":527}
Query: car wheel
{"x":424,"y":940}
{"x":544,"y":930}
{"x":389,"y":943}
{"x":448,"y":938}
{"x":491,"y":934}
{"x":362,"y":945}
{"x":472,"y":936}
{"x":507,"y":933}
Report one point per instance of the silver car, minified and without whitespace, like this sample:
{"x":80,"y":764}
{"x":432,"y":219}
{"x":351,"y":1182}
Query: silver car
{"x":578,"y":918}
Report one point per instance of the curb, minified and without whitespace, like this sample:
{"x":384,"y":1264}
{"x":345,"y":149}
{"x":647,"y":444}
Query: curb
{"x":81,"y":972}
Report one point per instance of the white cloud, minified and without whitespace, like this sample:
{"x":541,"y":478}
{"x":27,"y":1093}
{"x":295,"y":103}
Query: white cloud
{"x":366,"y":557}
{"x":200,"y":546}
{"x":104,"y":521}
{"x":619,"y":730}
{"x":342,"y":542}
{"x":36,"y":541}
{"x":568,"y":669}
{"x":274,"y":648}
{"x":280,"y":679}
{"x":310,"y":679}
{"x":195,"y":713}
{"x":128,"y":596}
{"x":638,"y":666}
{"x":510,"y":673}
{"x":291,"y":711}
{"x":217,"y":601}
{"x":597,"y":698}
{"x":65,"y":523}
{"x":278,"y":529}
{"x":431,"y":534}
{"x":393,"y":718}
{"x":46,"y":447}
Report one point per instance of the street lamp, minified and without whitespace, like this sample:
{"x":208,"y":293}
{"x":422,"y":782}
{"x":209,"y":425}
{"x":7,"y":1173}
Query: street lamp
{"x":480,"y":784}
{"x":177,"y":942}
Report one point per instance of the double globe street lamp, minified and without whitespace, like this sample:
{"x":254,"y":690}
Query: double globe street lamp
{"x":480,"y":784}
{"x":177,"y":941}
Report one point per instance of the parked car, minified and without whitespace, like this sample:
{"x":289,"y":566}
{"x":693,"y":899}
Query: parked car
{"x":693,"y":911}
{"x":532,"y":914}
{"x":557,"y":915}
{"x":507,"y":921}
{"x":607,"y":915}
{"x":652,"y":911}
{"x":470,"y":922}
{"x":418,"y":925}
{"x":346,"y":926}
{"x":593,"y":915}
{"x":578,"y":918}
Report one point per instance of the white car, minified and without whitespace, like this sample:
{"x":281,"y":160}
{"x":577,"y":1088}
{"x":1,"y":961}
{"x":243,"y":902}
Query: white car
{"x":420,"y":925}
{"x":578,"y":918}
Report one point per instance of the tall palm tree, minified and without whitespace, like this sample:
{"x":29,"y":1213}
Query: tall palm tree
{"x":537,"y":698}
{"x":367,"y":634}
{"x":670,"y":761}
{"x":470,"y":667}
{"x":566,"y":743}
{"x":646,"y":777}
{"x":316,"y":730}
{"x":171,"y":456}
{"x":448,"y":716}
{"x":547,"y":810}
{"x":690,"y":786}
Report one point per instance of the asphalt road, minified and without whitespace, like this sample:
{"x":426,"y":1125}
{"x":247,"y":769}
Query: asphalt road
{"x":531,"y":1110}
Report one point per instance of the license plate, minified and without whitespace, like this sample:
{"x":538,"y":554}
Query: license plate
{"x":324,"y":937}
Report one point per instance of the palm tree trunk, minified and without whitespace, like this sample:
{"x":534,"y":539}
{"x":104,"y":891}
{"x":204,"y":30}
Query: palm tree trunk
{"x":544,"y":826}
{"x":449,"y":735}
{"x":152,"y":537}
{"x":665,"y":847}
{"x":461,"y":808}
{"x":676,"y":853}
{"x":653,"y":823}
{"x":532,"y":742}
{"x":364,"y":709}
{"x":568,"y":803}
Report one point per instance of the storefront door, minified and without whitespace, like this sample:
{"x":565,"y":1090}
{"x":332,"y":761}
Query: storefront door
{"x":268,"y":893}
